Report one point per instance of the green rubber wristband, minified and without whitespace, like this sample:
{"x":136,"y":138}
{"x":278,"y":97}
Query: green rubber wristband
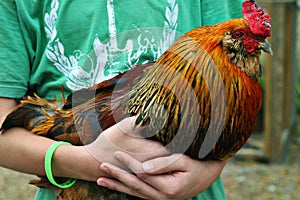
{"x":48,"y":168}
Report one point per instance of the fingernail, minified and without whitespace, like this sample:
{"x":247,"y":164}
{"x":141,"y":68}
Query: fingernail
{"x":148,"y":166}
{"x":104,"y":167}
{"x":101,"y":182}
{"x":118,"y":156}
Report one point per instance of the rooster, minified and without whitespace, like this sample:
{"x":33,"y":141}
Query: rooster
{"x":201,"y":98}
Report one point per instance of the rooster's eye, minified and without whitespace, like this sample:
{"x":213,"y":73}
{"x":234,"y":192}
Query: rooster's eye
{"x":238,"y":34}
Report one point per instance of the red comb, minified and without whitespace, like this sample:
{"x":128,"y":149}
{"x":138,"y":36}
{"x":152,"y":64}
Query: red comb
{"x":258,"y":20}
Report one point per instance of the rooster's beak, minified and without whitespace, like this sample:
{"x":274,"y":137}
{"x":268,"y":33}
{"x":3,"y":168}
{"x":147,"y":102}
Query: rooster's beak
{"x":266,"y":47}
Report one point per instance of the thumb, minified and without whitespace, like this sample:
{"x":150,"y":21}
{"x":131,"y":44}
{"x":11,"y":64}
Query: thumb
{"x":163,"y":164}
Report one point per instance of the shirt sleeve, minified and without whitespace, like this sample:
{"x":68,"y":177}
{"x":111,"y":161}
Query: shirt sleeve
{"x":14,"y":60}
{"x":215,"y":191}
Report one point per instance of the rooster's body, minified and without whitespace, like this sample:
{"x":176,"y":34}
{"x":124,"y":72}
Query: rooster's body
{"x":205,"y":84}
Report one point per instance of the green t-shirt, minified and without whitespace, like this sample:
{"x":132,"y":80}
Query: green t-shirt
{"x":47,"y":44}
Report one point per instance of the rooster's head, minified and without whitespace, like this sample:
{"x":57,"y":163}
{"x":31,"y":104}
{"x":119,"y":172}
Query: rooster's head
{"x":253,"y":37}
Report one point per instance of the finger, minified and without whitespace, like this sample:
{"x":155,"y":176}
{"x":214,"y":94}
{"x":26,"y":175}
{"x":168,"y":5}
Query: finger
{"x":118,"y":186}
{"x":127,"y":126}
{"x":129,"y":180}
{"x":161,"y":181}
{"x":130,"y":162}
{"x":150,"y":152}
{"x":164,"y":164}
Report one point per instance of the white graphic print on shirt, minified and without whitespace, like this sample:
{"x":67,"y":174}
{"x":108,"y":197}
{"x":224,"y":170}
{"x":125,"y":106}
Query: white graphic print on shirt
{"x":102,"y":63}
